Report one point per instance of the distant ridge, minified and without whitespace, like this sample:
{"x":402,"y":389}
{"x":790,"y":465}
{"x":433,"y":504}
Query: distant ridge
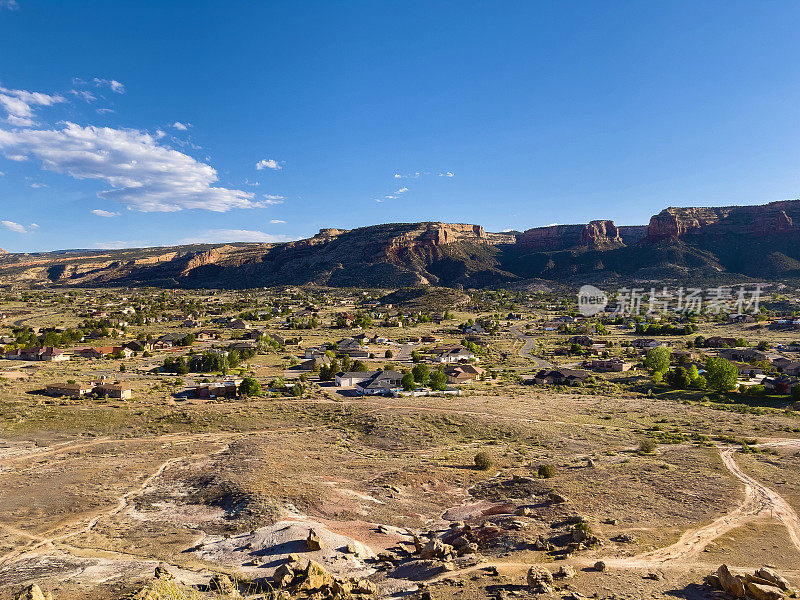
{"x":733,"y":242}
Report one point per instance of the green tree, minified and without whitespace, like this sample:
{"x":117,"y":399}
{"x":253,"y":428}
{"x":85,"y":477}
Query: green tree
{"x":388,"y":354}
{"x":421,"y":374}
{"x":657,"y":360}
{"x":438,"y":381}
{"x":415,"y":356}
{"x":721,"y":374}
{"x":408,"y":382}
{"x":250,"y":386}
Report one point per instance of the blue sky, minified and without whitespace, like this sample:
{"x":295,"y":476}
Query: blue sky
{"x":144,"y":123}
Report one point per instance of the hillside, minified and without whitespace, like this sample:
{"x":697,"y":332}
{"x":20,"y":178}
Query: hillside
{"x":680,"y":243}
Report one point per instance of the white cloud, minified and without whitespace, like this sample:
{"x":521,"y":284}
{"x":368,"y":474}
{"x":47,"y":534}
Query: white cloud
{"x":214,"y":236}
{"x":398,"y":176}
{"x":99,"y":212}
{"x":402,"y":190}
{"x":271,"y":199}
{"x":18,"y":227}
{"x":142,"y":174}
{"x":86,"y":95}
{"x":37,"y":185}
{"x":268,"y":164}
{"x":276,"y":221}
{"x":9,"y":4}
{"x":180,"y":126}
{"x":105,"y":111}
{"x":19,"y":105}
{"x":449,"y":174}
{"x":112,"y":84}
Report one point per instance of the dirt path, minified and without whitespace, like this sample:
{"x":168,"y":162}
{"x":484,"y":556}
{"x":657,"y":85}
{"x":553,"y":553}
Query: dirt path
{"x":758,"y":501}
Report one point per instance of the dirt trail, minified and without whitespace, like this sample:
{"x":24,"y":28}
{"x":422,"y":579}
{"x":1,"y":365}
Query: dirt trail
{"x":758,"y":501}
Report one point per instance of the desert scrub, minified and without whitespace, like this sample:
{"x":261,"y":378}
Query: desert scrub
{"x":483,"y":461}
{"x":546,"y":471}
{"x":647,"y":446}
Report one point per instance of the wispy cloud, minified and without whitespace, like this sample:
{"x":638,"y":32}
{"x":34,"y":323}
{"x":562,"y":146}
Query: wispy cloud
{"x":9,"y":4}
{"x":268,"y":163}
{"x":141,"y":173}
{"x":214,"y":236}
{"x":19,"y":105}
{"x":402,"y":190}
{"x":99,"y":212}
{"x":105,"y":111}
{"x":18,"y":227}
{"x":181,"y":126}
{"x":114,"y":85}
{"x":85,"y":95}
{"x":276,"y":221}
{"x":272,"y":199}
{"x":418,"y":174}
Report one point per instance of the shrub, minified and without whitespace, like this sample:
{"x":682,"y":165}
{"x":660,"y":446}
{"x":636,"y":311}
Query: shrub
{"x":483,"y":461}
{"x":546,"y":471}
{"x":647,"y":446}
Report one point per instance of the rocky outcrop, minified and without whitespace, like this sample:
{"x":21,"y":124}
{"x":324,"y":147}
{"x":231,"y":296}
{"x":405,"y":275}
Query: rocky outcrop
{"x":600,"y":234}
{"x":766,"y":220}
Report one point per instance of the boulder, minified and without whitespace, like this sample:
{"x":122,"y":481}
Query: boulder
{"x":540,"y":580}
{"x":224,"y":586}
{"x":32,"y":592}
{"x":761,"y":591}
{"x":313,"y":542}
{"x":283,"y":576}
{"x":436,"y":549}
{"x":772,"y":577}
{"x":565,"y":572}
{"x":556,"y":498}
{"x":162,"y":573}
{"x":315,"y":577}
{"x":729,"y":582}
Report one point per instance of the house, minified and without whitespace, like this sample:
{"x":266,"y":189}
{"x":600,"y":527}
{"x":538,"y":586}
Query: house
{"x":314,"y":352}
{"x":455,"y":355}
{"x":430,"y":339}
{"x":228,"y":388}
{"x":739,"y":318}
{"x":71,"y":390}
{"x":352,"y":348}
{"x":51,"y":354}
{"x":581,"y":340}
{"x":204,"y":335}
{"x":351,"y":378}
{"x":562,"y":376}
{"x":139,"y":346}
{"x":382,"y":382}
{"x":615,"y":365}
{"x":787,"y":366}
{"x":742,"y":354}
{"x":720,"y":342}
{"x":169,"y":340}
{"x":463,"y":373}
{"x":119,"y":391}
{"x":238,"y":324}
{"x":748,"y":370}
{"x":104,"y":351}
{"x":782,"y":384}
{"x":646,"y":343}
{"x":48,"y":354}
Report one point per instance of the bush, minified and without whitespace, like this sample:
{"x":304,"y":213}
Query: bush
{"x":546,"y":471}
{"x":647,"y":446}
{"x":483,"y":461}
